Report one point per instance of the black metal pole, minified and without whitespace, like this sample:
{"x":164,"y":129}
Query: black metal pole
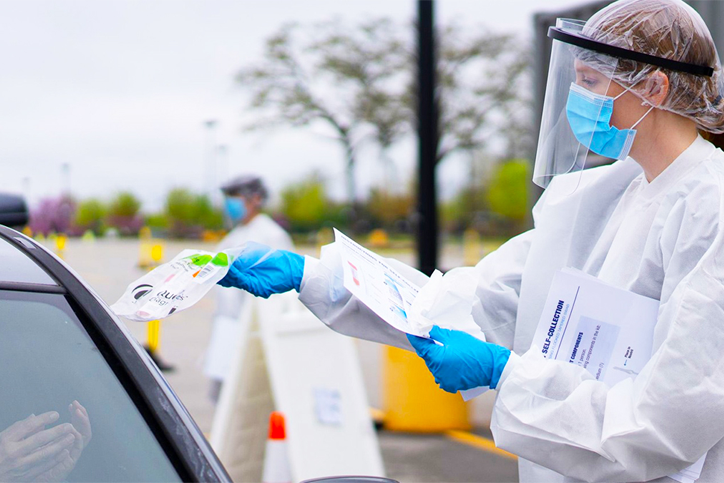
{"x":427,"y":119}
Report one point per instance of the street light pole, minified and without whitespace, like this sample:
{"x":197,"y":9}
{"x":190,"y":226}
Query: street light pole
{"x":65,"y":171}
{"x":427,"y":129}
{"x":210,"y":167}
{"x":222,"y":165}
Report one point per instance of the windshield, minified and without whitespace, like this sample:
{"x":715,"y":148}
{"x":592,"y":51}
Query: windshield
{"x":64,"y":416}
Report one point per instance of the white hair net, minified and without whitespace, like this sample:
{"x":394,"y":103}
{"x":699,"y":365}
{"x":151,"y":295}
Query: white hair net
{"x":668,"y":29}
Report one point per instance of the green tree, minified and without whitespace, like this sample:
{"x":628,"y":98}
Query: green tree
{"x":124,"y":213}
{"x":463,"y":211}
{"x":305,"y":204}
{"x":157,"y":221}
{"x":389,"y":209}
{"x":90,"y":214}
{"x":507,"y":193}
{"x":188,"y":214}
{"x":206,"y":214}
{"x":180,"y":206}
{"x":124,"y":204}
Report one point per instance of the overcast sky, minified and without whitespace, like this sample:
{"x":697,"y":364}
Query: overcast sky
{"x":119,"y":89}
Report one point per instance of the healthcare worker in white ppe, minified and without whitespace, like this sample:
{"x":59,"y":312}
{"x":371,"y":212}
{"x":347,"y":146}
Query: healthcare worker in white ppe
{"x":635,"y":83}
{"x":244,"y":200}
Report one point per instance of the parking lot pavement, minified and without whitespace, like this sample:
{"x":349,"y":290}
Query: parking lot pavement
{"x":110,"y":265}
{"x":437,"y":458}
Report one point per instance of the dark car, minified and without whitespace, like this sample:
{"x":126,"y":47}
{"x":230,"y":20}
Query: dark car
{"x":80,"y":399}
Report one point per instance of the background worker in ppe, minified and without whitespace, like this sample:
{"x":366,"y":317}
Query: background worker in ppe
{"x":244,"y":199}
{"x":635,"y":83}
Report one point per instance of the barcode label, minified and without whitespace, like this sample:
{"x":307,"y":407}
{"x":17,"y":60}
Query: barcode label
{"x":208,"y":270}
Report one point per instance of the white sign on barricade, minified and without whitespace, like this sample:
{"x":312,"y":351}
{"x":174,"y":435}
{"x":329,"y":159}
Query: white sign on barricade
{"x":291,"y":362}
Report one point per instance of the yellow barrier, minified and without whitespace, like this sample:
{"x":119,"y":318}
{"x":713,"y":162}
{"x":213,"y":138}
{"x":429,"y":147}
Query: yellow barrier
{"x":413,"y":402}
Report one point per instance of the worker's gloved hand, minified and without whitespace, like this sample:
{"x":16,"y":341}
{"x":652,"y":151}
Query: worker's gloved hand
{"x":263,"y":272}
{"x":462,"y":362}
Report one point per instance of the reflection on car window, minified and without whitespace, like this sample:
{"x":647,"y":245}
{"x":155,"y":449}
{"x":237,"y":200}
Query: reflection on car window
{"x":64,"y":416}
{"x":17,"y":267}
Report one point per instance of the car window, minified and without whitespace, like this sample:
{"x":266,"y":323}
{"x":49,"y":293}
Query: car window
{"x":17,"y":267}
{"x":49,"y":364}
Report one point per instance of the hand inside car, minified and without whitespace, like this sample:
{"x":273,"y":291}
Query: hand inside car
{"x":80,"y":421}
{"x":29,"y":452}
{"x":81,"y":430}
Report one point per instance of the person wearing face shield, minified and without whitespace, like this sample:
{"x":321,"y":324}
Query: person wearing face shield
{"x":244,"y":198}
{"x":636,"y":84}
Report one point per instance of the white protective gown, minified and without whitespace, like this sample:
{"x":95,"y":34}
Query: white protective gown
{"x":661,"y":239}
{"x":228,"y":325}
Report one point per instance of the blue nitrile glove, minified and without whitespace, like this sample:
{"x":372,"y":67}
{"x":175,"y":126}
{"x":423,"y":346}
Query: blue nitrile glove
{"x":263,"y":272}
{"x":463,"y":361}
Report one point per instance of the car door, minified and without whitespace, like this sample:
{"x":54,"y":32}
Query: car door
{"x":66,"y":358}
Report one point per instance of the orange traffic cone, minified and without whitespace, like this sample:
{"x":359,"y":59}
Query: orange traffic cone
{"x":276,"y":458}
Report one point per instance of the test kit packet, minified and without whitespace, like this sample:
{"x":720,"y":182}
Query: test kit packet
{"x":175,"y":285}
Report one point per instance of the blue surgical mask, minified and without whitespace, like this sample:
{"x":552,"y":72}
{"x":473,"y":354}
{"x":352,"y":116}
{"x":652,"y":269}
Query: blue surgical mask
{"x":235,"y":209}
{"x":589,"y":115}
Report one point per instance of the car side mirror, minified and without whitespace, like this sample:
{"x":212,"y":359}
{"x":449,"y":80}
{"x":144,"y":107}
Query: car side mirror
{"x":13,"y":210}
{"x":351,"y":479}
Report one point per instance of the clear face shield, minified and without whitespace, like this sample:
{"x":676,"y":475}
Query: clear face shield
{"x":576,"y":130}
{"x":575,"y":80}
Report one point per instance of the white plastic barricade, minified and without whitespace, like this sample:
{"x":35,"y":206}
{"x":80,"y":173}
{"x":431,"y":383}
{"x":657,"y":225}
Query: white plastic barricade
{"x":291,"y":362}
{"x":238,"y":433}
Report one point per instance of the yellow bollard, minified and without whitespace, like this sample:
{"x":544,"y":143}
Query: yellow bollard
{"x":379,"y":239}
{"x":88,"y":237}
{"x":150,"y":254}
{"x":413,"y":402}
{"x":157,"y":254}
{"x":144,"y":248}
{"x":60,"y":241}
{"x":472,"y":247}
{"x":144,"y":233}
{"x":154,"y":326}
{"x":28,"y":232}
{"x":154,"y":333}
{"x":144,"y":255}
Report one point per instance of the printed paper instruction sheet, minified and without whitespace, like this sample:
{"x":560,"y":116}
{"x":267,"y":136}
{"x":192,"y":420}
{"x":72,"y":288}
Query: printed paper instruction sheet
{"x":378,"y":285}
{"x":604,"y":329}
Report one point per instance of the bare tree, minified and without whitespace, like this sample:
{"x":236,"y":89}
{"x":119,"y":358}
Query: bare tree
{"x":483,"y":92}
{"x":347,"y":79}
{"x":359,"y":81}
